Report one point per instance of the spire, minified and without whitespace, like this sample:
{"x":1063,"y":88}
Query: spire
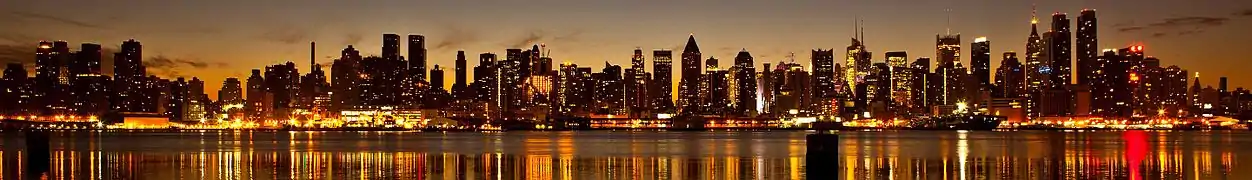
{"x":1034,"y":21}
{"x":691,"y":45}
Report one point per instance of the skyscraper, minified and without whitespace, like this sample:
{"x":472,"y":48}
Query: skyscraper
{"x":436,"y":78}
{"x":391,"y":47}
{"x":857,"y":63}
{"x":901,"y":79}
{"x":1086,"y":47}
{"x":636,"y":84}
{"x":689,"y":85}
{"x":282,"y":83}
{"x":1036,"y":68}
{"x":345,"y":81}
{"x":15,"y":90}
{"x":608,"y":98}
{"x":948,"y":51}
{"x":980,"y":63}
{"x":50,"y":77}
{"x":661,"y":89}
{"x":745,"y":78}
{"x":1060,"y":53}
{"x":230,"y":96}
{"x":130,"y":80}
{"x":258,"y":99}
{"x":1010,"y":77}
{"x":417,"y":57}
{"x":459,"y":88}
{"x":486,"y":85}
{"x":90,"y":95}
{"x":823,"y":61}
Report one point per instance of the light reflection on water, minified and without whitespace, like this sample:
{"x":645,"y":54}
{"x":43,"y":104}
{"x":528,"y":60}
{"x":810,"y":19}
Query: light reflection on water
{"x":635,"y":155}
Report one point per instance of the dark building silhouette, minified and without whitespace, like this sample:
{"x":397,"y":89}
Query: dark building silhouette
{"x":1086,"y":45}
{"x":746,"y":84}
{"x":1060,"y":51}
{"x":637,"y":99}
{"x":17,"y":92}
{"x":608,"y":96}
{"x":689,"y":85}
{"x":923,"y":94}
{"x":459,"y":89}
{"x":282,"y":83}
{"x":391,"y":47}
{"x":661,"y":88}
{"x":980,"y":63}
{"x":417,"y":57}
{"x":177,"y":101}
{"x":88,"y":90}
{"x":823,"y":73}
{"x":486,"y":84}
{"x":314,"y":93}
{"x":258,"y":101}
{"x":1010,"y":77}
{"x":50,"y":77}
{"x":131,"y":80}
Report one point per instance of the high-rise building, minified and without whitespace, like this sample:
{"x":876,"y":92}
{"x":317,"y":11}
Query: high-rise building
{"x":89,"y":94}
{"x":314,"y":93}
{"x":1010,"y":78}
{"x":50,"y":73}
{"x":923,"y":93}
{"x":1060,"y":51}
{"x":823,"y":61}
{"x":1036,"y":68}
{"x":766,"y":90}
{"x":980,"y":63}
{"x":258,"y":99}
{"x":661,"y":89}
{"x":608,"y":99}
{"x":689,"y":85}
{"x":459,"y":89}
{"x":130,"y":80}
{"x":391,"y":47}
{"x":231,"y":98}
{"x":345,"y":82}
{"x":486,"y":85}
{"x":636,"y":85}
{"x":1086,"y":47}
{"x":948,"y":52}
{"x":196,"y":102}
{"x":177,"y":100}
{"x":901,"y":80}
{"x":282,"y":84}
{"x":717,"y":93}
{"x":436,"y":78}
{"x":17,"y":92}
{"x":745,"y":84}
{"x":417,"y":57}
{"x":857,"y":64}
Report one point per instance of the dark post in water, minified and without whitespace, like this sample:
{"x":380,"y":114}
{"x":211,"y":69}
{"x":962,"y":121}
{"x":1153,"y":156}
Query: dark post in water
{"x":38,"y":154}
{"x":822,"y":160}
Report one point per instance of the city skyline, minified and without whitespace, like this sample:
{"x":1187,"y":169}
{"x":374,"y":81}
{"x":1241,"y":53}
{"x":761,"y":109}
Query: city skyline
{"x":580,"y":46}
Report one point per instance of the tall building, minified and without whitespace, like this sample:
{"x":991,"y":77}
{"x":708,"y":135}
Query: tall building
{"x":661,"y":89}
{"x":391,"y":47}
{"x":459,"y":89}
{"x":314,"y":93}
{"x":980,"y":63}
{"x":636,"y":85}
{"x":900,"y":80}
{"x":486,"y":84}
{"x":823,"y":61}
{"x":1060,"y":54}
{"x":1086,"y":47}
{"x":689,"y":85}
{"x":857,"y":64}
{"x":1010,"y":78}
{"x":177,"y":101}
{"x":746,"y":85}
{"x":282,"y":84}
{"x":345,"y":81}
{"x":258,"y":99}
{"x":50,"y":73}
{"x":717,"y":96}
{"x":231,"y":98}
{"x":417,"y":57}
{"x":920,"y":84}
{"x":436,"y":78}
{"x":1036,"y":68}
{"x":608,"y":99}
{"x":195,"y":102}
{"x":130,"y":80}
{"x":17,"y":92}
{"x":87,"y":88}
{"x":948,"y":52}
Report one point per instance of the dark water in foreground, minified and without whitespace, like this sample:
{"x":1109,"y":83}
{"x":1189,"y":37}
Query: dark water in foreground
{"x":636,"y":155}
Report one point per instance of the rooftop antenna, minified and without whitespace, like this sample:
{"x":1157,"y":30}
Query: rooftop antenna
{"x":312,"y":55}
{"x":948,"y":13}
{"x":862,"y":32}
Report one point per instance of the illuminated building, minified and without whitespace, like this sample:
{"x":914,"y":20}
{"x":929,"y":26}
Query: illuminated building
{"x":88,"y":89}
{"x":608,"y":96}
{"x":980,"y":63}
{"x":688,"y":89}
{"x":1060,"y":51}
{"x":662,"y":85}
{"x":717,"y":102}
{"x":792,"y":97}
{"x":195,"y":101}
{"x":1175,"y":89}
{"x":901,"y":80}
{"x":1086,"y":47}
{"x":636,"y":86}
{"x":486,"y":85}
{"x":766,"y":90}
{"x":1010,"y":78}
{"x":857,"y":63}
{"x":16,"y":92}
{"x":345,"y":82}
{"x":823,"y":61}
{"x":417,"y":57}
{"x":571,"y":92}
{"x":745,"y":84}
{"x":177,"y":101}
{"x":438,"y":96}
{"x":948,"y":52}
{"x":878,"y":91}
{"x":230,"y":97}
{"x":926,"y":91}
{"x":50,"y":84}
{"x":511,"y":77}
{"x":282,"y":83}
{"x":314,"y":93}
{"x":256,"y":105}
{"x":706,"y":84}
{"x":391,"y":47}
{"x":1036,"y":68}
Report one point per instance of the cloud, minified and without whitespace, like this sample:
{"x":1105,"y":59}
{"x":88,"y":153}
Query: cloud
{"x":1247,"y":12}
{"x":286,"y":34}
{"x":61,"y":20}
{"x":169,"y":67}
{"x":540,"y":36}
{"x":1191,"y":22}
{"x":17,"y":54}
{"x":353,"y":38}
{"x":455,"y":36}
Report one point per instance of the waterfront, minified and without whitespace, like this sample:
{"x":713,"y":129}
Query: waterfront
{"x":636,"y":155}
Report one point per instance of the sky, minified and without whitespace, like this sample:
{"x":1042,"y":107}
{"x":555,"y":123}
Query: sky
{"x":213,"y":40}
